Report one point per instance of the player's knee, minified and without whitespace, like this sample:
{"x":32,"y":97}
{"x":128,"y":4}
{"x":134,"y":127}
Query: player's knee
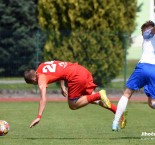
{"x":73,"y":107}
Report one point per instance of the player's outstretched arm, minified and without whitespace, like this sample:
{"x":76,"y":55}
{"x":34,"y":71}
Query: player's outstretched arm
{"x":42,"y":105}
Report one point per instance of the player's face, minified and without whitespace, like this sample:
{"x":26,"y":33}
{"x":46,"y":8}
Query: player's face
{"x":35,"y":81}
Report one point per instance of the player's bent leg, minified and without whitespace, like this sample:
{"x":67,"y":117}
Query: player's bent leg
{"x":121,"y":107}
{"x":82,"y":101}
{"x":77,"y":103}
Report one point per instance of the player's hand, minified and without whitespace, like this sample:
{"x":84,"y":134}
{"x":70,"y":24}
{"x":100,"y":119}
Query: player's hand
{"x":35,"y":122}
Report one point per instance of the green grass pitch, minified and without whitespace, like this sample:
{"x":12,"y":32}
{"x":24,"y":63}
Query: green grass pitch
{"x":90,"y":125}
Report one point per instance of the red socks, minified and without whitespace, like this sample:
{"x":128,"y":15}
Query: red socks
{"x":93,"y":97}
{"x":113,"y":108}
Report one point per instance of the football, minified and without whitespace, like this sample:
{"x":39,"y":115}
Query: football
{"x":4,"y":127}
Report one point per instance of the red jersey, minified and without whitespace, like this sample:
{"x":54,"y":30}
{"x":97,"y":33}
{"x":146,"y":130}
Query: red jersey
{"x":78,"y":78}
{"x":54,"y":70}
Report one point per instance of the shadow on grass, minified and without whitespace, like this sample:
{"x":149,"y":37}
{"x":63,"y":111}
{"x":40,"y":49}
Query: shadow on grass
{"x":117,"y":138}
{"x":72,"y":138}
{"x":35,"y":138}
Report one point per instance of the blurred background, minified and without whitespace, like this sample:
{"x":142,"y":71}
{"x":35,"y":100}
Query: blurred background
{"x":102,"y":35}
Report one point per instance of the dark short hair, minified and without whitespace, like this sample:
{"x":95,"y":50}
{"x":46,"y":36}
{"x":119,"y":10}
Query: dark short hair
{"x":147,"y":24}
{"x":28,"y":75}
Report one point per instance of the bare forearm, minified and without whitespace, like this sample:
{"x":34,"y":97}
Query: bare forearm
{"x":63,"y":88}
{"x":62,"y":84}
{"x":42,"y":102}
{"x":42,"y":105}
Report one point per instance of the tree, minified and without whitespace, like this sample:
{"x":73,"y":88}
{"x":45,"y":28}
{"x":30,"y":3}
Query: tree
{"x":90,"y":32}
{"x":17,"y":36}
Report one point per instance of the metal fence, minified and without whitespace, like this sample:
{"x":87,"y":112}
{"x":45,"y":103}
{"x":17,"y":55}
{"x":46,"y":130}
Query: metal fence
{"x":14,"y":82}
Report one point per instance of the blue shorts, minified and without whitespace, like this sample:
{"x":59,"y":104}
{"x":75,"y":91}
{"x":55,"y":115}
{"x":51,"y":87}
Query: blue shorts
{"x":143,"y":76}
{"x":74,"y":100}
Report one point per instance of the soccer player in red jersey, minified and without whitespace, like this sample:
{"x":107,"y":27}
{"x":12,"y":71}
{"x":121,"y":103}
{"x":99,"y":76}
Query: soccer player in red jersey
{"x":79,"y":82}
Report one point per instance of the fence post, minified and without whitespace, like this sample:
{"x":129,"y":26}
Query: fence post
{"x":37,"y":43}
{"x":125,"y":46}
{"x":37,"y":48}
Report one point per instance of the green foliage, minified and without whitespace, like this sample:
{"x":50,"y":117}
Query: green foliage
{"x":90,"y":32}
{"x":18,"y":36}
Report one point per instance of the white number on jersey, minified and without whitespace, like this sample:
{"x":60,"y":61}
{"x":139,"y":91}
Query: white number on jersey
{"x":49,"y":67}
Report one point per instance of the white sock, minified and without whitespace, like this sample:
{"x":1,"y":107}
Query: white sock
{"x":122,"y":104}
{"x":97,"y":102}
